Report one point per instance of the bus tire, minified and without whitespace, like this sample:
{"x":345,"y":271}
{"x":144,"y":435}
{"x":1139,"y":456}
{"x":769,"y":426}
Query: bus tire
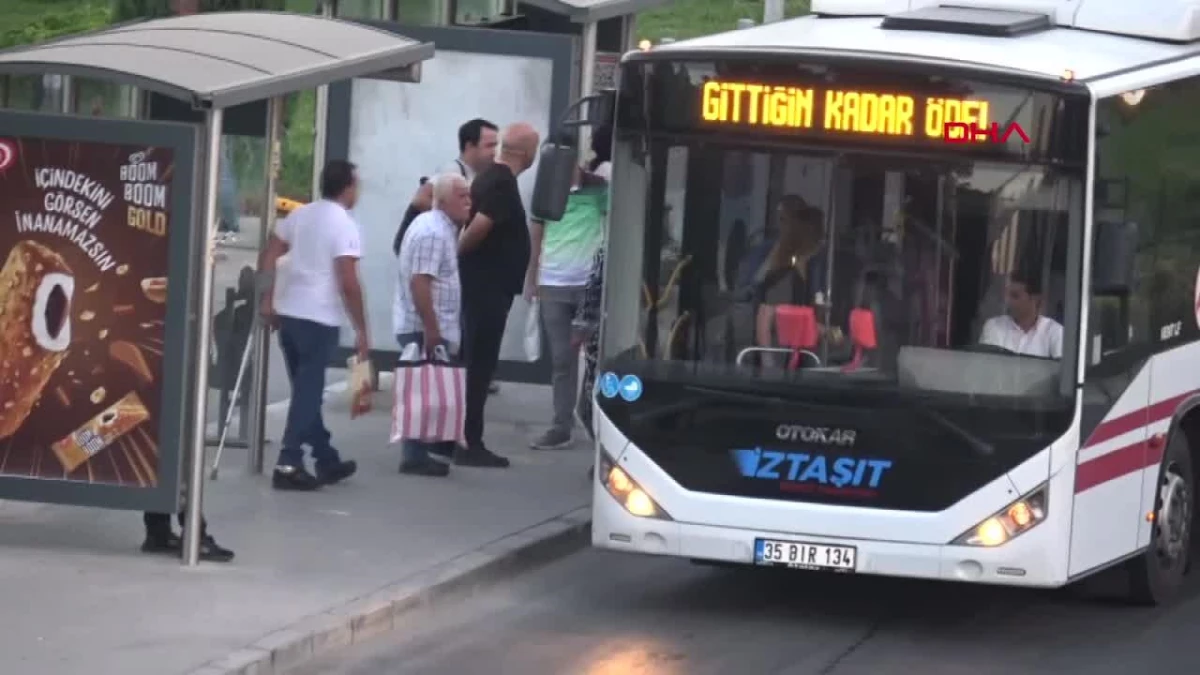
{"x":1156,"y":575}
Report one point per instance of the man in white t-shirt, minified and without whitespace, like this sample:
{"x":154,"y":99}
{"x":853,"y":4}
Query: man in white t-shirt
{"x":1023,"y":329}
{"x":323,"y":245}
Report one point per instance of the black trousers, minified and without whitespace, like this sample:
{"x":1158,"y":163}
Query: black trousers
{"x":158,"y":525}
{"x":485,"y":312}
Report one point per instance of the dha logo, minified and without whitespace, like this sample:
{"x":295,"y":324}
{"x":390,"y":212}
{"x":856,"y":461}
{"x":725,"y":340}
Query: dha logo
{"x":963,"y":132}
{"x":810,"y":472}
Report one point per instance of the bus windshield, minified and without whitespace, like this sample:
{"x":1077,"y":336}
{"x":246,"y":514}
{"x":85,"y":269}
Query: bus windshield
{"x":769,"y":269}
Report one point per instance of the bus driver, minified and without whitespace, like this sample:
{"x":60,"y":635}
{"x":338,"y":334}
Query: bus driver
{"x":1023,"y":329}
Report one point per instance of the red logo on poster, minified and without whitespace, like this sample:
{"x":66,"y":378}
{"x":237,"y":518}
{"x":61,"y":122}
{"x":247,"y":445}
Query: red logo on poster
{"x":8,"y":154}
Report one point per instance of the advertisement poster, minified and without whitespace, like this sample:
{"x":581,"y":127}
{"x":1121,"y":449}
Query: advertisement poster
{"x":83,"y":282}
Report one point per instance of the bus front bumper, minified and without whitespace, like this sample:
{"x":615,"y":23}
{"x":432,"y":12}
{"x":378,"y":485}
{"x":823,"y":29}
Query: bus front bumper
{"x":1023,"y":561}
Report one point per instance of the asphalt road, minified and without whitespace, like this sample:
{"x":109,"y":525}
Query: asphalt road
{"x":598,"y":613}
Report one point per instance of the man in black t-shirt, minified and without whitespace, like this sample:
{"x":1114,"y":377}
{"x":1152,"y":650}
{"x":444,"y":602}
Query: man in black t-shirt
{"x":493,"y":259}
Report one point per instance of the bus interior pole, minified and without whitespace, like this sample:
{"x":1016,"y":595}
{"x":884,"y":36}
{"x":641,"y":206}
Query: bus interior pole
{"x":199,"y":441}
{"x":587,"y":79}
{"x":259,"y":334}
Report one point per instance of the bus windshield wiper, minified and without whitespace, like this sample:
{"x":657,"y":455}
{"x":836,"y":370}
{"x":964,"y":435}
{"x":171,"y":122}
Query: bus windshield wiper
{"x":977,"y":444}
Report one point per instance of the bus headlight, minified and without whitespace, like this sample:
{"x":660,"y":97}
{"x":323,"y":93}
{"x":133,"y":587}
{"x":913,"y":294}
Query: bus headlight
{"x":628,"y":493}
{"x":1015,"y":519}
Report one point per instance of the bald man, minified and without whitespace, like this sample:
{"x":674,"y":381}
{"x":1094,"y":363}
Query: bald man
{"x":493,"y":254}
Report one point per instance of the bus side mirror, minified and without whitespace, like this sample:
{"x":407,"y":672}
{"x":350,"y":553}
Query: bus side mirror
{"x":555,"y":174}
{"x":1114,"y":254}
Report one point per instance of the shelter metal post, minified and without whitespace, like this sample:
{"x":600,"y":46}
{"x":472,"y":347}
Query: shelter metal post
{"x":321,"y":118}
{"x":255,"y":423}
{"x":587,"y":79}
{"x":195,"y":493}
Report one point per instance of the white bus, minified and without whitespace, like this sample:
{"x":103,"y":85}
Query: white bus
{"x":909,"y":290}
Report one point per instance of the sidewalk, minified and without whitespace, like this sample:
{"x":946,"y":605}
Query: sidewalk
{"x":313,"y":571}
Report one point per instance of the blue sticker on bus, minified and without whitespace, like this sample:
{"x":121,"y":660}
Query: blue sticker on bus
{"x":631,"y":388}
{"x":609,"y":384}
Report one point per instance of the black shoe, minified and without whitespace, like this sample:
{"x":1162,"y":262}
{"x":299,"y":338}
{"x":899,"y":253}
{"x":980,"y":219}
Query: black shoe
{"x":169,"y":544}
{"x":334,"y":473}
{"x":172,"y":545}
{"x":211,"y":551}
{"x":480,"y":456}
{"x":294,"y":478}
{"x":426,"y":467}
{"x":442,"y":452}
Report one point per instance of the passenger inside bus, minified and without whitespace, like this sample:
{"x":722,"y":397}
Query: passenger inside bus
{"x":787,"y":270}
{"x":1023,"y":329}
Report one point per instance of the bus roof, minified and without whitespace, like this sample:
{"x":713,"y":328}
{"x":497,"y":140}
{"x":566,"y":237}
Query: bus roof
{"x":1048,"y":53}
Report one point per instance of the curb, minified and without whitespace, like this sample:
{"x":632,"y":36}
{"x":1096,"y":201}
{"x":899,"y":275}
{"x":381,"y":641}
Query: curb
{"x":376,"y":613}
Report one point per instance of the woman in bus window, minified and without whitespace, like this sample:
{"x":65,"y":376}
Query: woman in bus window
{"x":788,"y":268}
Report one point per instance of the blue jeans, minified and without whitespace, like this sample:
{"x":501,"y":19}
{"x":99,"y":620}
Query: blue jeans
{"x":416,"y":452}
{"x":307,"y":349}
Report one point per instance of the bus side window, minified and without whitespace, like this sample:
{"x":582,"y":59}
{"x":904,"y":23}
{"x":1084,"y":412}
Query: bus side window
{"x":1147,"y":176}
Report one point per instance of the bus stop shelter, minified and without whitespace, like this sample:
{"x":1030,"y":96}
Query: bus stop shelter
{"x":127,"y":210}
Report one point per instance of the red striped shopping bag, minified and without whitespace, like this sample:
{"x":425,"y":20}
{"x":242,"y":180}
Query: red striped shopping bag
{"x":430,"y":401}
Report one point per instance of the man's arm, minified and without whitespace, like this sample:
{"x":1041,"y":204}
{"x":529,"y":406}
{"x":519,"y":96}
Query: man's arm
{"x":346,"y":268}
{"x":346,"y":250}
{"x":422,"y":292}
{"x":268,"y":263}
{"x":488,"y":201}
{"x":537,"y":235}
{"x":988,"y":335}
{"x":474,"y":233}
{"x":1056,"y":340}
{"x":424,"y":257}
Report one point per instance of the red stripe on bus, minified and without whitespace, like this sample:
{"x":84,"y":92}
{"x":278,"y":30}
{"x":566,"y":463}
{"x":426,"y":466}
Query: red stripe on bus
{"x":1117,"y":464}
{"x":1145,"y":416}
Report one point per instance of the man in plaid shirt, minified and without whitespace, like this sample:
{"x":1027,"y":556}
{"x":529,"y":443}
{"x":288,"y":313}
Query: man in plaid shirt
{"x":429,"y":296}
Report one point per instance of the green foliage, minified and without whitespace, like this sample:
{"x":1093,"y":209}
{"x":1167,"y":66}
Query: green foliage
{"x":683,"y":19}
{"x":240,"y":5}
{"x":295,"y":174}
{"x":149,"y":9}
{"x":56,"y":19}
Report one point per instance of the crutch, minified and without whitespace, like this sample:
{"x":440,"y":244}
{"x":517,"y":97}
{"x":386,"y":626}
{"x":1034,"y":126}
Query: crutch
{"x":233,"y":399}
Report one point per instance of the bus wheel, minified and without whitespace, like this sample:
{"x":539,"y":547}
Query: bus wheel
{"x":1156,"y":575}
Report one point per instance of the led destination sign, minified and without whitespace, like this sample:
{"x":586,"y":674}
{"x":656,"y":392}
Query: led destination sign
{"x":784,"y":108}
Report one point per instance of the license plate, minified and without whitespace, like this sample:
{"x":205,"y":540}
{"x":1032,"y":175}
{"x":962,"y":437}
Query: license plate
{"x":802,"y":555}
